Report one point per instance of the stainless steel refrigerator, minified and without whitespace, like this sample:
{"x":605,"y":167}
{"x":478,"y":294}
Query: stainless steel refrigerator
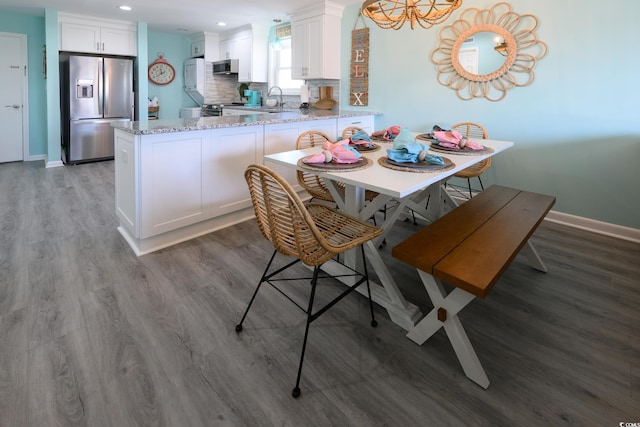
{"x":94,"y":92}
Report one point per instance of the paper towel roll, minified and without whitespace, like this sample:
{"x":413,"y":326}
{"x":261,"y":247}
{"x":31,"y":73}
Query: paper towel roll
{"x":304,"y":93}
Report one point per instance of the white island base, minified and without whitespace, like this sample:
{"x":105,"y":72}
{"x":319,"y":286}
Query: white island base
{"x":178,"y":181}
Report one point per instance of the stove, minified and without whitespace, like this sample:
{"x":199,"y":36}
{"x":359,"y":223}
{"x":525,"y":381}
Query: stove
{"x":212,"y":110}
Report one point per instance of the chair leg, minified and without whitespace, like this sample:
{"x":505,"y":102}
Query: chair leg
{"x":480,"y":179}
{"x":296,"y":390}
{"x":262,"y":279}
{"x":366,"y":274}
{"x":469,"y":183}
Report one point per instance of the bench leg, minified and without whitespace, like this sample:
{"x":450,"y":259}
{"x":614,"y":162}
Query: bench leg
{"x":534,"y":259}
{"x":447,"y":307}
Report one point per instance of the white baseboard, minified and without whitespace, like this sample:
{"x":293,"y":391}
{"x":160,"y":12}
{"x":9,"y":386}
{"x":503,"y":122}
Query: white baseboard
{"x":605,"y":228}
{"x":53,"y":164}
{"x":587,"y":224}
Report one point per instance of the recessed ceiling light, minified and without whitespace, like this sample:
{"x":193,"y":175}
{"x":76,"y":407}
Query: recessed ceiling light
{"x":222,"y":24}
{"x":124,"y":7}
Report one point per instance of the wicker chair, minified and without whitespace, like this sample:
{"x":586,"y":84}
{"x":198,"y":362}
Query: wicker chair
{"x":348,"y":131}
{"x":313,"y":183}
{"x":473,"y":131}
{"x":312,"y":234}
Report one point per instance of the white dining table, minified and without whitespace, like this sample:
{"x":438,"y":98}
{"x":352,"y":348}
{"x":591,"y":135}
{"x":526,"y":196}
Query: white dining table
{"x":410,"y":189}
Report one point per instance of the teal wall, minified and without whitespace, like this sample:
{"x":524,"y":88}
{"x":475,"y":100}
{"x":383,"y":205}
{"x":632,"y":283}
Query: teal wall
{"x":176,"y":50}
{"x":34,"y":28}
{"x":576,"y":128}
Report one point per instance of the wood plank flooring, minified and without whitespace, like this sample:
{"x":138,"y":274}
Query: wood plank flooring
{"x":90,"y":334}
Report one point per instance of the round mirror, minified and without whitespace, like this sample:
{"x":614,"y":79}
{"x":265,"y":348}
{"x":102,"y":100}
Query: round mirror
{"x":483,"y":53}
{"x":487,"y":52}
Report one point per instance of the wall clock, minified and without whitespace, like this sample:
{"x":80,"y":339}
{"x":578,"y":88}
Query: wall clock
{"x":161,"y":72}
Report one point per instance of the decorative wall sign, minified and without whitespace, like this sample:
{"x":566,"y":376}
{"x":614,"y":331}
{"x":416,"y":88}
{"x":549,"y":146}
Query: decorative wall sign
{"x":359,"y":70}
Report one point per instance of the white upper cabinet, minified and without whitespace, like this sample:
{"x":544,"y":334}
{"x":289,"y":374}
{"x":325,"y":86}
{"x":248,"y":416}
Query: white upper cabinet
{"x":249,"y":45}
{"x":205,"y":45}
{"x":315,"y":41}
{"x":91,"y":35}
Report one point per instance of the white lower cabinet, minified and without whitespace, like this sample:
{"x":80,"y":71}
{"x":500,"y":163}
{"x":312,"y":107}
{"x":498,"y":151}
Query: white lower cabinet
{"x":229,"y":153}
{"x":171,"y":187}
{"x":174,"y":187}
{"x":366,"y":123}
{"x":168,"y":181}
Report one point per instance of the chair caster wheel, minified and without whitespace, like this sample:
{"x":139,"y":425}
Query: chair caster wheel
{"x":238,"y":328}
{"x":295,"y":392}
{"x":374,"y":323}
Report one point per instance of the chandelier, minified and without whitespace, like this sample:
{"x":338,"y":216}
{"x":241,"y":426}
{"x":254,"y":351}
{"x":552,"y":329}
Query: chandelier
{"x":394,"y":13}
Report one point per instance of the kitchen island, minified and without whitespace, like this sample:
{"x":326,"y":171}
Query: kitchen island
{"x":179,"y":179}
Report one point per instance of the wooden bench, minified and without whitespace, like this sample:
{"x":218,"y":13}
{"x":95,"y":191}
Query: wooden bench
{"x":469,"y":248}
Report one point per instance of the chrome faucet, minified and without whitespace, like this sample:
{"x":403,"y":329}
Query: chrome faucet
{"x":281,"y":104}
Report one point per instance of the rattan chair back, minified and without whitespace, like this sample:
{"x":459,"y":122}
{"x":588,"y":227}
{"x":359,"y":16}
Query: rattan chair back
{"x":309,"y":181}
{"x":472,"y":130}
{"x":348,"y":131}
{"x":312,"y":233}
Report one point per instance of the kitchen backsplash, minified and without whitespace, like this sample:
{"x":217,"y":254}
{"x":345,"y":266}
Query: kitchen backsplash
{"x":223,"y":88}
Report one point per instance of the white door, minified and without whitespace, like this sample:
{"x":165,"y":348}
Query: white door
{"x":13,"y":100}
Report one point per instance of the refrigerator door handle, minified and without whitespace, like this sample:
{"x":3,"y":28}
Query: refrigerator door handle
{"x":101,"y":89}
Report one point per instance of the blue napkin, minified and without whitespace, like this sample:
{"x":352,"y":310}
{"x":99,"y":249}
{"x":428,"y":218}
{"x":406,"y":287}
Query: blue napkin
{"x":407,"y":150}
{"x":360,"y":136}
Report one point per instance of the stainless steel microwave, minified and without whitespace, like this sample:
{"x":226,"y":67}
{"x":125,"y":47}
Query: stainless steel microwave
{"x":227,"y":66}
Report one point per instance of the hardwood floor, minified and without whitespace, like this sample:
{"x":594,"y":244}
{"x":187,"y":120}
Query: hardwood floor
{"x":90,"y":334}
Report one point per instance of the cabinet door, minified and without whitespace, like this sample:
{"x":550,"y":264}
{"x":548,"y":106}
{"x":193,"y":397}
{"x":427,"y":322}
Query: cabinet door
{"x":225,"y":49}
{"x":366,"y":123}
{"x":197,"y":49}
{"x":299,"y":49}
{"x":125,"y":181}
{"x":118,"y":41}
{"x":241,"y":48}
{"x":172,"y":188}
{"x":229,"y":153}
{"x":277,"y":139}
{"x":79,"y":38}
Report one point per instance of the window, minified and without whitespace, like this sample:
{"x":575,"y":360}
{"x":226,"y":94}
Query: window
{"x":280,"y":62}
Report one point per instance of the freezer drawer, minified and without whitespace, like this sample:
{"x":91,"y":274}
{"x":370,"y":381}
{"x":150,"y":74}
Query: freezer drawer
{"x":91,"y":140}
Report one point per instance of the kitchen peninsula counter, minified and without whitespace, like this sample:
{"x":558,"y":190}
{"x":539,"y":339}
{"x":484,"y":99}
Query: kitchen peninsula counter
{"x":251,"y":118}
{"x":180,"y":179}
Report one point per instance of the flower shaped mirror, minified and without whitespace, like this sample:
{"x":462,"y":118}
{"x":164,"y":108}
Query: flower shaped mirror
{"x":487,"y":52}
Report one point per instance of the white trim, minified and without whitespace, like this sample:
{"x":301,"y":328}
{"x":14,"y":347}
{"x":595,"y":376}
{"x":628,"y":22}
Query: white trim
{"x":582,"y":223}
{"x":53,"y":164}
{"x":604,"y":228}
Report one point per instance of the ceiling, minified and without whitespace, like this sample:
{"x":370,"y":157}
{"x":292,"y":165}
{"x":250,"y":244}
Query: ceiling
{"x":173,"y":16}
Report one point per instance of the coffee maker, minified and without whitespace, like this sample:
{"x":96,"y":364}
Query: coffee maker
{"x":253,"y":98}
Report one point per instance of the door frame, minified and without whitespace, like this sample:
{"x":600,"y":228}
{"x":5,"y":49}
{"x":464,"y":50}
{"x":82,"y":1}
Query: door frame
{"x":24,"y":60}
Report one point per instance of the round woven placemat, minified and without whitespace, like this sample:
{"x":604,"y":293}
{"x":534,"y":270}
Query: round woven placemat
{"x":415,"y":167}
{"x":425,"y":137}
{"x":363,"y":163}
{"x":379,"y":139}
{"x":461,"y":152}
{"x":365,"y":149}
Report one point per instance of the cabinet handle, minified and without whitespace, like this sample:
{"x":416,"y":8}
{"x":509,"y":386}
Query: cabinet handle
{"x":103,"y":47}
{"x":98,"y":46}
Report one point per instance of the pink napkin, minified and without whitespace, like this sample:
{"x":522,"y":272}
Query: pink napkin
{"x":338,"y":152}
{"x":454,"y":139}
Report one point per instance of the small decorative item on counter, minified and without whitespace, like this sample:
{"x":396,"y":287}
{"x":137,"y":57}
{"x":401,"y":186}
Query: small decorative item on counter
{"x":154,"y":102}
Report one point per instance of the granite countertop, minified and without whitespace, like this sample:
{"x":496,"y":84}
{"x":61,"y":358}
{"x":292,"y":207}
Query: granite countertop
{"x":151,"y":127}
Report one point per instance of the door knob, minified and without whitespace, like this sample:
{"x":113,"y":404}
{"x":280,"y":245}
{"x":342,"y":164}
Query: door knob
{"x":16,"y":106}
